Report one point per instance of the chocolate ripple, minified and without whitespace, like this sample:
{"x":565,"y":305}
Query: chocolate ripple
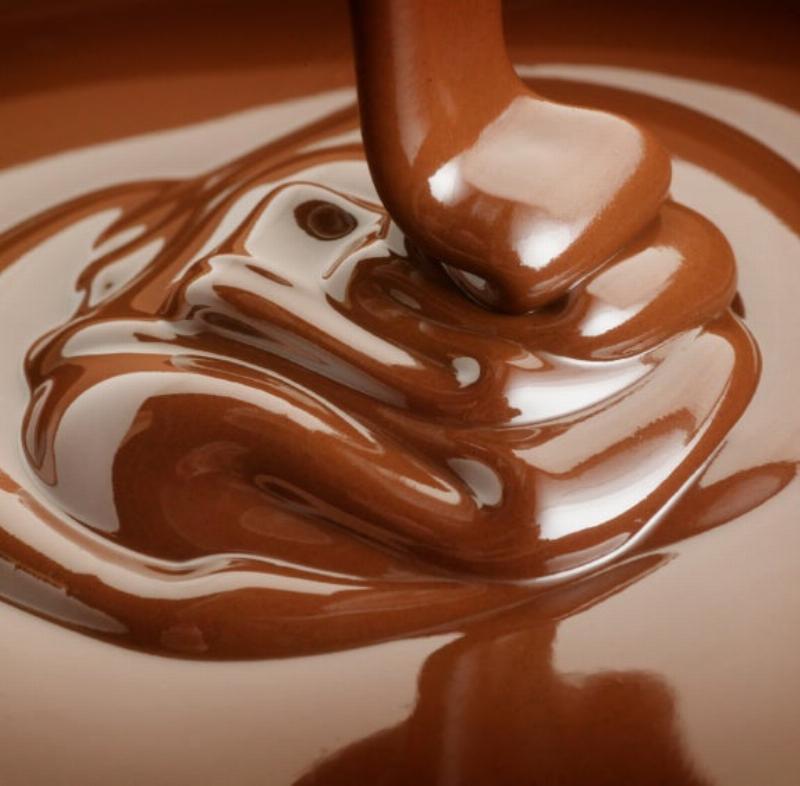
{"x":296,"y":434}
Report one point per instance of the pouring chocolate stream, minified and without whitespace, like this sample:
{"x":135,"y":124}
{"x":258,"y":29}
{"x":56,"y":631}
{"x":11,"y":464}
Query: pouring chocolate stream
{"x":305,"y":437}
{"x":521,"y":197}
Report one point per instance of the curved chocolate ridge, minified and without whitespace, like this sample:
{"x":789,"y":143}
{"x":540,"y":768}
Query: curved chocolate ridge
{"x":283,"y":434}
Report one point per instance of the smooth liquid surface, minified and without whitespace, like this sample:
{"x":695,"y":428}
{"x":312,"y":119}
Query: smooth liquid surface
{"x":521,"y":198}
{"x":736,"y":488}
{"x":302,"y":437}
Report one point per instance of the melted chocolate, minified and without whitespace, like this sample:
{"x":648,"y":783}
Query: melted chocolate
{"x":521,"y":197}
{"x":276,"y":391}
{"x":263,"y":423}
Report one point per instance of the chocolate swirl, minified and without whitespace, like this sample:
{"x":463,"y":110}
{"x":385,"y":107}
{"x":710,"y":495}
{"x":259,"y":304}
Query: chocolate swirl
{"x":281,"y":430}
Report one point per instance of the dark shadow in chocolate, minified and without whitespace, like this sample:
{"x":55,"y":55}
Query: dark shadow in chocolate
{"x":493,"y":710}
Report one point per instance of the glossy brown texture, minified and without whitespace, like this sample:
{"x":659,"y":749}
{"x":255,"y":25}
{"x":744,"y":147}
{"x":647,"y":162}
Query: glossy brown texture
{"x":575,"y":733}
{"x":187,"y":357}
{"x":296,"y":401}
{"x":528,"y":195}
{"x":279,"y":393}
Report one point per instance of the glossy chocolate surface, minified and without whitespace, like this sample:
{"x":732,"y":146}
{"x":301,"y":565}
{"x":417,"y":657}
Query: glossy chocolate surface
{"x":257,"y":421}
{"x":520,"y":196}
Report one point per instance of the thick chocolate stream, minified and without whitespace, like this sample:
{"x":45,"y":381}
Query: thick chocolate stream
{"x":250,"y":415}
{"x":521,"y":197}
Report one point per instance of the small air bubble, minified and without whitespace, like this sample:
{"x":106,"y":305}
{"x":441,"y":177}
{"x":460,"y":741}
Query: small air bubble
{"x":324,"y":220}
